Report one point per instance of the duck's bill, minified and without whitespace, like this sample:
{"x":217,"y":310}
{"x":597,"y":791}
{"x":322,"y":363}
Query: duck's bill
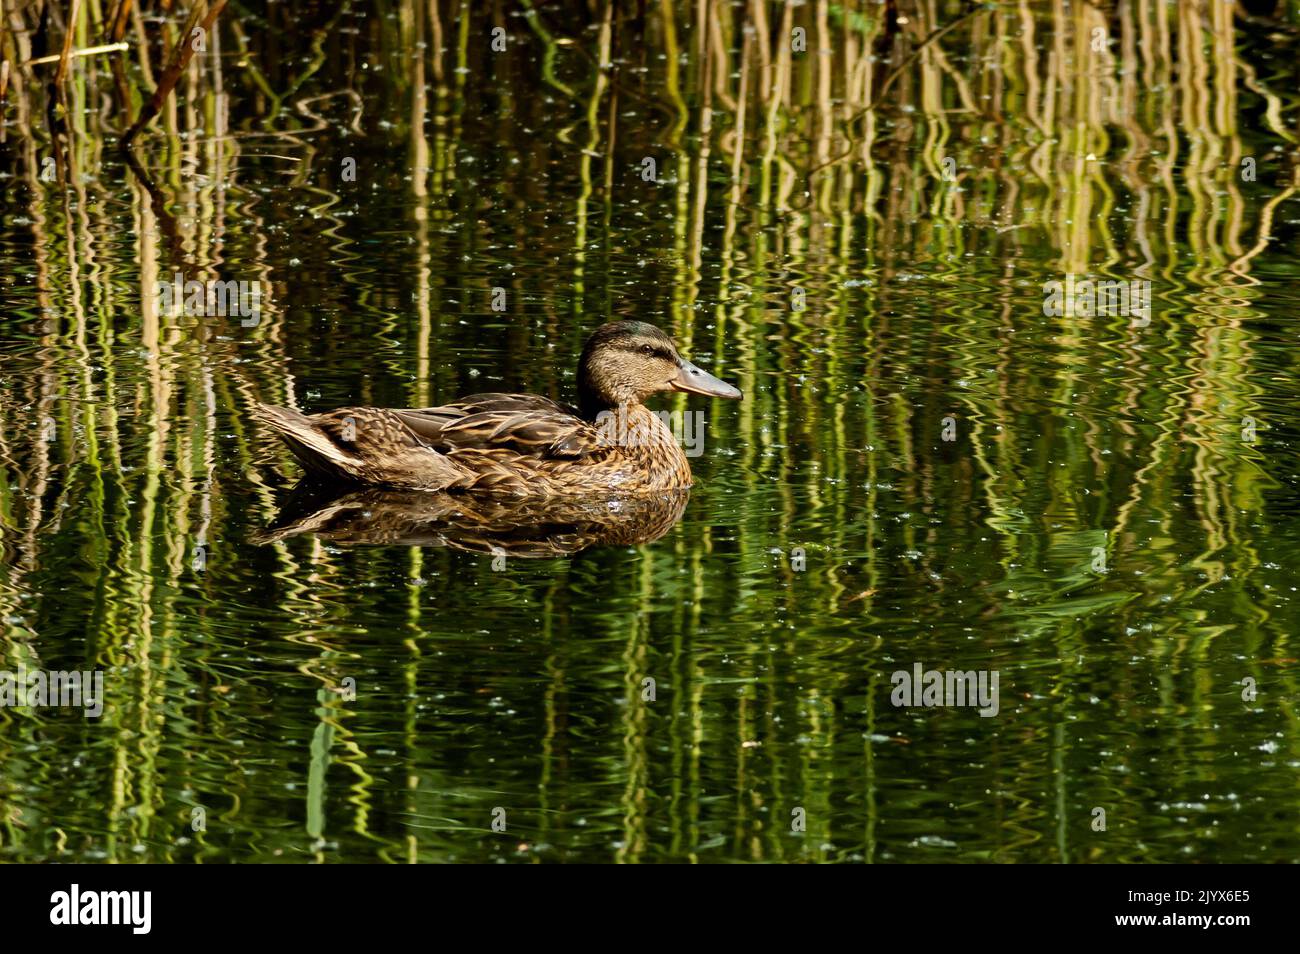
{"x":695,"y":380}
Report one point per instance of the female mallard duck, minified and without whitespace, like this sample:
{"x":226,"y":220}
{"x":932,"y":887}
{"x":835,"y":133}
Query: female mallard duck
{"x":520,"y":443}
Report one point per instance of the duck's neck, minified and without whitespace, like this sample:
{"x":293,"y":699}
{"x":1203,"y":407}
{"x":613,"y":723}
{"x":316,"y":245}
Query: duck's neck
{"x":647,"y":445}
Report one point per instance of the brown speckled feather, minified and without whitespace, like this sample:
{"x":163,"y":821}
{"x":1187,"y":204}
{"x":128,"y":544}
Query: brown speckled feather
{"x":525,"y":423}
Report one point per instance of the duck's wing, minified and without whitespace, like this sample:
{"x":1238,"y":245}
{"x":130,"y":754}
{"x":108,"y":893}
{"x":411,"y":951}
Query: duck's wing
{"x":517,"y":424}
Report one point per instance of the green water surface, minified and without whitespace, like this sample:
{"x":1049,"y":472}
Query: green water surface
{"x":926,"y":468}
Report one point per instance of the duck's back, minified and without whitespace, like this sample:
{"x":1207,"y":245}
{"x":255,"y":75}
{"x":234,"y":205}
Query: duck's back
{"x":505,"y":425}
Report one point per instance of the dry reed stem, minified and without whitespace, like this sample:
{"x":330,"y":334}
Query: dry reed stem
{"x":180,"y":59}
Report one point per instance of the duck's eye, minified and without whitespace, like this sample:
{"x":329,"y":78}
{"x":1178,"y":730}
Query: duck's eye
{"x":648,"y":350}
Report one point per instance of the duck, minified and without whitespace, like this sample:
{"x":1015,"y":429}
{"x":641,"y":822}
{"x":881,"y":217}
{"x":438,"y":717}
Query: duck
{"x":519,"y":444}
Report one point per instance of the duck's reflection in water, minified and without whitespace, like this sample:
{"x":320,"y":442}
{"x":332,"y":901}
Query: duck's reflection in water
{"x":480,"y":523}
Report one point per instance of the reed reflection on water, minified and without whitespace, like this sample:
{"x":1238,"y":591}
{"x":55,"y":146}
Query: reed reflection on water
{"x":927,"y":469}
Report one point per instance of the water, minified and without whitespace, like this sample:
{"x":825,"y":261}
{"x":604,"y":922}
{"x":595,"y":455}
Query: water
{"x":1112,"y":526}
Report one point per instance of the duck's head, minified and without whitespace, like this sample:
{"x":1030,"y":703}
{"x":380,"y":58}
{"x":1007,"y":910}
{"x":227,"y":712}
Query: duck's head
{"x":624,"y":362}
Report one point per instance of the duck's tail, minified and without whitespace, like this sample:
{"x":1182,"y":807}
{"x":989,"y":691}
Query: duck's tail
{"x":317,"y":453}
